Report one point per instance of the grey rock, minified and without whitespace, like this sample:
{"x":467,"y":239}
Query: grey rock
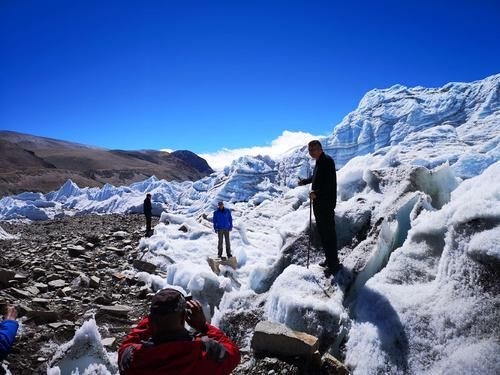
{"x":116,"y":250}
{"x":33,"y":290}
{"x":20,"y":293}
{"x":40,"y":301}
{"x":41,"y":287}
{"x":333,"y":366}
{"x":116,"y":310}
{"x":56,"y":284}
{"x":94,"y":282}
{"x":278,"y":339}
{"x":121,"y":234}
{"x":109,"y":341}
{"x":21,"y":278}
{"x":76,"y":251}
{"x":144,"y":266}
{"x":38,"y":272}
{"x":215,"y":263}
{"x":6,"y":276}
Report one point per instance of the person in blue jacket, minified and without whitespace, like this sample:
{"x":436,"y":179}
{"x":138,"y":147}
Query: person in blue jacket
{"x":223,"y":224}
{"x":8,"y":330}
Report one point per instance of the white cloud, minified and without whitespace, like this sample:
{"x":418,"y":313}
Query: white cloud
{"x":283,"y":145}
{"x":169,"y":150}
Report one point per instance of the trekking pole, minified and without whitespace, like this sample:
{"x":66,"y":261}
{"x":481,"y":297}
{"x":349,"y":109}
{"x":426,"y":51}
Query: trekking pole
{"x":310,"y":231}
{"x":310,"y":224}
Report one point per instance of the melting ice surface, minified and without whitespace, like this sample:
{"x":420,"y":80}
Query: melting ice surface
{"x":417,"y":218}
{"x":84,"y":355}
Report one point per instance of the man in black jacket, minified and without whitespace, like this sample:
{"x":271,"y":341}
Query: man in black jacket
{"x":324,"y":197}
{"x":148,"y":213}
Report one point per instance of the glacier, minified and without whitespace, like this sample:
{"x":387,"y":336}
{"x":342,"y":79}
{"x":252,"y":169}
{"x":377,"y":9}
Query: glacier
{"x":418,"y":220}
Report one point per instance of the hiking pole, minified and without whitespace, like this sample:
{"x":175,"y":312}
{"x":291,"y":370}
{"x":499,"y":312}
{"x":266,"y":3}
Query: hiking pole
{"x":310,"y":231}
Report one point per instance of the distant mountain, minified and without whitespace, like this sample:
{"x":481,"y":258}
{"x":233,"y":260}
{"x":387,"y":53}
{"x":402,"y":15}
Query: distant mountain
{"x":193,"y":160}
{"x":32,"y":163}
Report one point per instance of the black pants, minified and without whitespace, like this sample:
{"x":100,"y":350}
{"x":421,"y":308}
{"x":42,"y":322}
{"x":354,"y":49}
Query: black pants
{"x":148,"y":223}
{"x":223,"y":234}
{"x":325,"y":222}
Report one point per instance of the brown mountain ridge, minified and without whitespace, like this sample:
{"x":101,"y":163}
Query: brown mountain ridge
{"x":32,"y":163}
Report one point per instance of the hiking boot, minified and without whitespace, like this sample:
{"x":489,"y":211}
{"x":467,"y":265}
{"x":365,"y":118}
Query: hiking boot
{"x":329,"y":271}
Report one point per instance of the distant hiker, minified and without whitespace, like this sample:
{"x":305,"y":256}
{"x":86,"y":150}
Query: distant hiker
{"x":160,"y":344}
{"x":8,"y":330}
{"x":223,"y":224}
{"x":324,"y":197}
{"x":148,"y":213}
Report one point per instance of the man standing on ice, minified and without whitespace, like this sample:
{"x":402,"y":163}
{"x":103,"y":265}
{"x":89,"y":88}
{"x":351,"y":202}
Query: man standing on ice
{"x":223,"y":224}
{"x":148,"y":213}
{"x":324,"y":198}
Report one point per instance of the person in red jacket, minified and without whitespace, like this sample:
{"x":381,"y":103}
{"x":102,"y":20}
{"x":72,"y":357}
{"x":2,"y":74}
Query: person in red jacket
{"x":160,"y":344}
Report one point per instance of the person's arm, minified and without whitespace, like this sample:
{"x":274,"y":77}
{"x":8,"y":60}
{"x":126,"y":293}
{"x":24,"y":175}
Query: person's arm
{"x":231,"y":357}
{"x":305,"y":181}
{"x":230,"y":219}
{"x":8,"y":330}
{"x":131,"y":343}
{"x":222,"y":353}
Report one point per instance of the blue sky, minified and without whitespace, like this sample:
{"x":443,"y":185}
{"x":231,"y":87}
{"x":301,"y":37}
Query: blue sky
{"x":211,"y":75}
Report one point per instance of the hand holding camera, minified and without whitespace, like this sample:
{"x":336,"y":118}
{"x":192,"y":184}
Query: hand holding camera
{"x":195,"y":317}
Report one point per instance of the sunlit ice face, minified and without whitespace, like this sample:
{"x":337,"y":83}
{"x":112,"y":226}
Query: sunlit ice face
{"x":315,"y":151}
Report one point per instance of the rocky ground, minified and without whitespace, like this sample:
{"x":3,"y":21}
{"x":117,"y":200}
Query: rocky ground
{"x":66,"y":271}
{"x":62,"y":272}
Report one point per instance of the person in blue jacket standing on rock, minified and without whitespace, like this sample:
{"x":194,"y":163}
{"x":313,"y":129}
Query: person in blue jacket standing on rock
{"x":8,"y":330}
{"x":223,"y":224}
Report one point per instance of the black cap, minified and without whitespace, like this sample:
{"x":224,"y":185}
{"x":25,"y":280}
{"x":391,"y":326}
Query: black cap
{"x":167,"y":301}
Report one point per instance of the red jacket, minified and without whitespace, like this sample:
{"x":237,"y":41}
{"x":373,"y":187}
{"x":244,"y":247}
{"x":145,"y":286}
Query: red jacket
{"x":177,"y":357}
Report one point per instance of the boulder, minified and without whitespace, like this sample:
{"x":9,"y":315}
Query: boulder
{"x":332,"y":365}
{"x":278,"y":339}
{"x":94,"y":282}
{"x":144,"y":266}
{"x":41,"y":287}
{"x":20,"y":293}
{"x":215,"y":263}
{"x":6,"y":276}
{"x":21,"y":278}
{"x":117,"y":251}
{"x":38,"y":315}
{"x":108,"y":341}
{"x":116,"y":310}
{"x":120,"y":234}
{"x":82,"y":281}
{"x":76,"y":251}
{"x":33,"y":290}
{"x":38,"y":272}
{"x":57,"y":284}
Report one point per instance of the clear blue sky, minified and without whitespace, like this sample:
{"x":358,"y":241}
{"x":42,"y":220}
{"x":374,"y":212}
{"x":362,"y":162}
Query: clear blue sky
{"x":203,"y":75}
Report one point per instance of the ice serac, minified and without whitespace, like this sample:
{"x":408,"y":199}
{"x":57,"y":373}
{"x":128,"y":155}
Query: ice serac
{"x":434,"y":307}
{"x":300,"y":300}
{"x":69,"y":189}
{"x":386,"y":117}
{"x":6,"y":236}
{"x":459,"y":123}
{"x":84,"y":354}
